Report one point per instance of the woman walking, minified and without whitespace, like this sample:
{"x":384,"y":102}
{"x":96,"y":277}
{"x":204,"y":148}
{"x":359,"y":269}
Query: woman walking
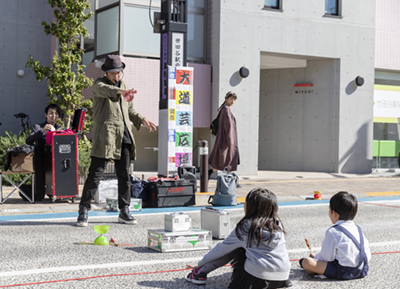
{"x":225,"y":152}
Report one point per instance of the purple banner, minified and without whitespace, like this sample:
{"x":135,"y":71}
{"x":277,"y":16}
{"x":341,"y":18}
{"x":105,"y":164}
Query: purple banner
{"x":164,"y":57}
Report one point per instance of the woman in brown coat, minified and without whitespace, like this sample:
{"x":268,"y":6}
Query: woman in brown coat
{"x":225,"y":152}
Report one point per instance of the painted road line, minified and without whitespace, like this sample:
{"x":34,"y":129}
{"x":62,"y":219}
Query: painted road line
{"x":383,"y":194}
{"x":97,"y":266}
{"x":149,"y":262}
{"x":107,"y":214}
{"x":151,"y":211}
{"x":314,"y":180}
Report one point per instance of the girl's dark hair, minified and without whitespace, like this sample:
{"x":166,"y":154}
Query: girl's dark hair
{"x":261,"y":213}
{"x":229,"y":94}
{"x":345,"y":205}
{"x":56,"y":108}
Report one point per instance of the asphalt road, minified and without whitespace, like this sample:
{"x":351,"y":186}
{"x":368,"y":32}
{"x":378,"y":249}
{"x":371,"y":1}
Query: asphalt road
{"x":45,"y":253}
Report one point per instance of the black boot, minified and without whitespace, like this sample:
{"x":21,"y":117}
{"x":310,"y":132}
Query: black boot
{"x":125,"y":217}
{"x":210,"y":172}
{"x":83,"y":217}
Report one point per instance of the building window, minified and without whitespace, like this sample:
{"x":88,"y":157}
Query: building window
{"x":332,"y":7}
{"x":138,"y":38}
{"x":107,"y":31}
{"x":195,"y":33}
{"x":272,"y":4}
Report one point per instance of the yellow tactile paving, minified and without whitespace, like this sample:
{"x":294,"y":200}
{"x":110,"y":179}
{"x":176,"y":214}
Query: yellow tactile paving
{"x":383,"y":194}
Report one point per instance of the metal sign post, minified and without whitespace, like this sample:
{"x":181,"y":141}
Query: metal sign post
{"x":173,"y":133}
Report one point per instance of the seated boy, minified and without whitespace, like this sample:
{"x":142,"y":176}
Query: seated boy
{"x":344,"y":253}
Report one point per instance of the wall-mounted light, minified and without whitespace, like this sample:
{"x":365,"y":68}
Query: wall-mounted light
{"x":303,"y":84}
{"x":243,"y":72}
{"x":98,"y":63}
{"x":21,"y":72}
{"x":359,"y":81}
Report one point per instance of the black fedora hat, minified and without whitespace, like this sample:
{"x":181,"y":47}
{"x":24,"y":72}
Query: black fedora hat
{"x":113,"y":64}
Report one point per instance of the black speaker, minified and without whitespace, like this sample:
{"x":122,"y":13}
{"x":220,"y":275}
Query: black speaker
{"x":61,"y":158}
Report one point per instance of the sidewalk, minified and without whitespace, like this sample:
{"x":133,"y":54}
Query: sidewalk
{"x":287,"y":186}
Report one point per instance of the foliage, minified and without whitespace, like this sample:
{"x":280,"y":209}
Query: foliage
{"x":7,"y":141}
{"x":85,"y":147}
{"x":65,"y":77}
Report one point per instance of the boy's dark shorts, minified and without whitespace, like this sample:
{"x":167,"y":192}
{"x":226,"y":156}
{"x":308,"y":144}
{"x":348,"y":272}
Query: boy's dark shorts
{"x":336,"y":271}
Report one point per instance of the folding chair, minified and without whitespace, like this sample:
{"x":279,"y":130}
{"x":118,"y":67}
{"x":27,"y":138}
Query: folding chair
{"x":17,"y":187}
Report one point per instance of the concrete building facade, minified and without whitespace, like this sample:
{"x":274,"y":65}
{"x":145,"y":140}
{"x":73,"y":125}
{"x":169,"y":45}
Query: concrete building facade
{"x":21,"y":35}
{"x":282,"y":124}
{"x":326,"y":127}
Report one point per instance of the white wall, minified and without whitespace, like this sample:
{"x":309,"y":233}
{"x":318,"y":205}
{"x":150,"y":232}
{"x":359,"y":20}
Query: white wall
{"x":245,"y":30}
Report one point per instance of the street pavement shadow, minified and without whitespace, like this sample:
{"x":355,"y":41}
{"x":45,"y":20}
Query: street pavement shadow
{"x":299,"y":275}
{"x":213,"y":282}
{"x":142,"y":249}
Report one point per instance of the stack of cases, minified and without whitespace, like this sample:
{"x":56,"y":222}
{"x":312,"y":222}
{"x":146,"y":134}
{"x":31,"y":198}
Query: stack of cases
{"x":217,"y":221}
{"x":178,"y":235}
{"x":112,"y":205}
{"x":107,"y":189}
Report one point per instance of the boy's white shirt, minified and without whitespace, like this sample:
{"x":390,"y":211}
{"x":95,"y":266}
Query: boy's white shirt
{"x":336,"y":245}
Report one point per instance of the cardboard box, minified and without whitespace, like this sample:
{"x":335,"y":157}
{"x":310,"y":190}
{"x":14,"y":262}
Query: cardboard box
{"x":22,"y":163}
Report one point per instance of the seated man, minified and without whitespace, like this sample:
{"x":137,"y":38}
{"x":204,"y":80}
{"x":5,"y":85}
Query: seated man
{"x":38,"y":136}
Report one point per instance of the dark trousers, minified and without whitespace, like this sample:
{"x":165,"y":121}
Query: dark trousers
{"x":40,"y":175}
{"x":96,"y":172}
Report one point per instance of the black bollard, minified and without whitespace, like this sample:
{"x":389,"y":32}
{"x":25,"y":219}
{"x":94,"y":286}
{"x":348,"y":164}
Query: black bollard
{"x":203,"y":147}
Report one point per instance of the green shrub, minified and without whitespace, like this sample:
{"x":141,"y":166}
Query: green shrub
{"x":84,"y":148}
{"x":7,"y":141}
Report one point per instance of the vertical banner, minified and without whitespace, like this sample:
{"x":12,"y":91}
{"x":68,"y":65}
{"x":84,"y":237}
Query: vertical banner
{"x":180,"y":116}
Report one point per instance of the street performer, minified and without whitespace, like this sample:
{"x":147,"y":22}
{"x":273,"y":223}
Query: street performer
{"x":112,"y":138}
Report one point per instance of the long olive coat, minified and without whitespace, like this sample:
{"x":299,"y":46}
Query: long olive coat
{"x":225,"y":152}
{"x":109,"y":120}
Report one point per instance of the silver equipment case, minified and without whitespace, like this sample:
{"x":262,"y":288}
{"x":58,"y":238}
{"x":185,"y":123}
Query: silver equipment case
{"x":217,"y":221}
{"x":107,"y":189}
{"x":177,"y":222}
{"x":164,"y":241}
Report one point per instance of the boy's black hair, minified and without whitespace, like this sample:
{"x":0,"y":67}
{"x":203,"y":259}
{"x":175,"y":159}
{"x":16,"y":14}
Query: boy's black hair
{"x":345,"y":205}
{"x":56,"y":108}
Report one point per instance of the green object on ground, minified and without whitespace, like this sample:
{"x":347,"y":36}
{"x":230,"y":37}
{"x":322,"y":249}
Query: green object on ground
{"x":101,"y":241}
{"x":101,"y":229}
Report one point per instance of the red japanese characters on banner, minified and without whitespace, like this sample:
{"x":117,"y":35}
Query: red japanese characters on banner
{"x":184,"y":76}
{"x":171,"y":93}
